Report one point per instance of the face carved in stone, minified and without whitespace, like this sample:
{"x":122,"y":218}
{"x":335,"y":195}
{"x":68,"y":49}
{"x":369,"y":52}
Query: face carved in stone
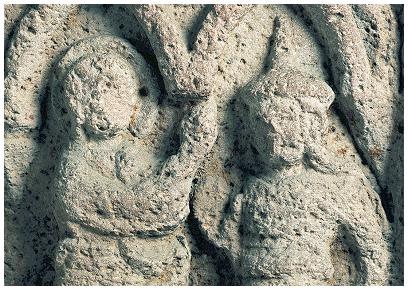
{"x":101,"y":91}
{"x":278,"y":137}
{"x":103,"y":86}
{"x":287,"y":115}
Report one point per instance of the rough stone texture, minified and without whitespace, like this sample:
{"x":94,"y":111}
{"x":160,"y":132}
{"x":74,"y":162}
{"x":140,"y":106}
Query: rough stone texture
{"x":203,"y":145}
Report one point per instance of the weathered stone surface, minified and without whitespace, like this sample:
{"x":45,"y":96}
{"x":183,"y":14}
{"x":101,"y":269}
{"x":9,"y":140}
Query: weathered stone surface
{"x":203,"y":145}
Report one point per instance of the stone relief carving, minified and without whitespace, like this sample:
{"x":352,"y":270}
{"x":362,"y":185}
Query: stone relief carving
{"x":203,"y":145}
{"x":107,"y":182}
{"x":295,"y":205}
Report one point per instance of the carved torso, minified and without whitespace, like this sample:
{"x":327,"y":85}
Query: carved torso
{"x":291,"y":221}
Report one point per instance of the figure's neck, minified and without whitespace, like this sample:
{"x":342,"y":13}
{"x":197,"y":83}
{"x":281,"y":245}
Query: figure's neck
{"x":272,"y":174}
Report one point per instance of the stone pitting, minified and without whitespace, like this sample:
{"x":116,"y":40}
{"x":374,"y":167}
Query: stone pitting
{"x":203,"y":145}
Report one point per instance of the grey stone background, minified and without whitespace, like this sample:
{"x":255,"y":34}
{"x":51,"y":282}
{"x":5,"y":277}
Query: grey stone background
{"x":370,"y":141}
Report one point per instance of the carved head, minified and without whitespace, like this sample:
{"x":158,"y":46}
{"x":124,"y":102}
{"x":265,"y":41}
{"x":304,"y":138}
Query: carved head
{"x":287,"y":115}
{"x":100,"y":86}
{"x":101,"y":91}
